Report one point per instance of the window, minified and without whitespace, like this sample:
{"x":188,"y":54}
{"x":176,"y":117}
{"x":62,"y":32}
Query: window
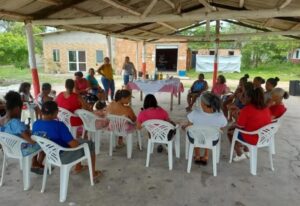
{"x":297,"y":54}
{"x":77,"y":60}
{"x":211,"y":52}
{"x":99,"y":56}
{"x":55,"y":54}
{"x":230,"y":53}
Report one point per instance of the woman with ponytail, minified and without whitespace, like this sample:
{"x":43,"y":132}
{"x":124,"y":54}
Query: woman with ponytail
{"x":254,"y":115}
{"x":270,"y":85}
{"x":277,"y":107}
{"x":208,"y":114}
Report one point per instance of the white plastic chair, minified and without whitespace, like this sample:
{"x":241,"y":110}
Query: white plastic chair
{"x":11,"y":145}
{"x":203,"y":138}
{"x":265,"y":136}
{"x":279,"y":121}
{"x":117,"y":127}
{"x":52,"y":151}
{"x":159,"y":130}
{"x":28,"y":112}
{"x":65,"y":116}
{"x":89,"y":120}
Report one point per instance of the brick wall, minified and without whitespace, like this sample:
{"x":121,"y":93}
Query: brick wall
{"x":295,"y":61}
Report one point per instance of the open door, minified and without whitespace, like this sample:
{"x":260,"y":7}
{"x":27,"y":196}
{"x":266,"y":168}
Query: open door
{"x":166,"y":58}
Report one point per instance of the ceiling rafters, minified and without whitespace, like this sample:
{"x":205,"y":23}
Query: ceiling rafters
{"x":48,"y":11}
{"x":149,"y":8}
{"x":52,"y":2}
{"x":122,"y":6}
{"x":284,"y":4}
{"x":241,"y":3}
{"x":167,"y":26}
{"x":170,"y":3}
{"x":207,"y":6}
{"x":14,"y":15}
{"x":246,"y":14}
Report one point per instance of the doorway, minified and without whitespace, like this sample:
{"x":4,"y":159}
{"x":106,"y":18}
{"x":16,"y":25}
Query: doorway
{"x":166,"y":58}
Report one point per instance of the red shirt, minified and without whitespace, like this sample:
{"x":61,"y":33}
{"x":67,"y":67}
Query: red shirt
{"x":277,"y":110}
{"x":219,"y":89}
{"x":152,"y":113}
{"x":251,"y":119}
{"x":71,"y":104}
{"x":81,"y":84}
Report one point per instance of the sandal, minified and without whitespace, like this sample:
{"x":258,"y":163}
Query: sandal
{"x":203,"y":161}
{"x":197,"y":160}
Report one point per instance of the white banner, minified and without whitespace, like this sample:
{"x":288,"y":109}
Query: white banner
{"x":226,"y":63}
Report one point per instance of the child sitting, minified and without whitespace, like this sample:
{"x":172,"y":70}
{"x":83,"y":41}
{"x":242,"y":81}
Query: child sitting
{"x":100,"y":111}
{"x":13,"y":125}
{"x":270,"y":85}
{"x":277,"y":107}
{"x":59,"y":133}
{"x":24,"y":91}
{"x":44,"y":96}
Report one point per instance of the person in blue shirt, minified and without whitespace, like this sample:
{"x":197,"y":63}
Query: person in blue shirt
{"x":49,"y":127}
{"x":196,"y":90}
{"x":12,"y":124}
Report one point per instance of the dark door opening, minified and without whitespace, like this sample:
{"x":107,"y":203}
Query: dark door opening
{"x":166,"y":60}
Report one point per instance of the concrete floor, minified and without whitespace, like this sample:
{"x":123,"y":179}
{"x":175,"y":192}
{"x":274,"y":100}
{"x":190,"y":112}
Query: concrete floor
{"x":129,"y":182}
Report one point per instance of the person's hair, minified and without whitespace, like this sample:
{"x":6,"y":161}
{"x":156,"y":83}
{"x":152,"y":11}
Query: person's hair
{"x":280,"y":93}
{"x":273,"y":81}
{"x":122,"y":93}
{"x":78,"y":74}
{"x":222,"y":79}
{"x":201,"y":75}
{"x":106,"y":58}
{"x":100,"y":105}
{"x":69,"y":84}
{"x":24,"y":86}
{"x":49,"y":107}
{"x":211,"y":100}
{"x":255,"y":96}
{"x":260,"y":80}
{"x":90,"y":69}
{"x":13,"y":100}
{"x":244,"y":79}
{"x":46,"y":87}
{"x":150,"y":101}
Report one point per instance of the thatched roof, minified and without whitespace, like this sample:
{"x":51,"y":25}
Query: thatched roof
{"x":155,"y":19}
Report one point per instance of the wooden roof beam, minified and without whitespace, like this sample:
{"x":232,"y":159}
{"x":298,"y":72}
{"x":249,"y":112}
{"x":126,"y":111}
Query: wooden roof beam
{"x":219,"y":15}
{"x":167,"y":26}
{"x":170,"y":3}
{"x":242,"y":3}
{"x":149,"y":8}
{"x":284,"y":4}
{"x":295,"y":27}
{"x":13,"y":15}
{"x":52,"y":2}
{"x":207,"y":6}
{"x":121,"y":6}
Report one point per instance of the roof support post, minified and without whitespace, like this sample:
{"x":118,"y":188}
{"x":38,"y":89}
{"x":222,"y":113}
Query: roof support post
{"x":216,"y":52}
{"x":109,"y":52}
{"x":137,"y":55}
{"x":32,"y":60}
{"x":144,"y":59}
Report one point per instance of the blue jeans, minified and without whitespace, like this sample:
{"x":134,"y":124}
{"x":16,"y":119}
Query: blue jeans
{"x":108,"y":84}
{"x":125,"y":79}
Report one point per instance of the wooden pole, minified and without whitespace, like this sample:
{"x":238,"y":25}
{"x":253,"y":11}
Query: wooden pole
{"x":32,"y":60}
{"x":137,"y":56}
{"x":144,"y":59}
{"x":109,"y":54}
{"x":216,"y":52}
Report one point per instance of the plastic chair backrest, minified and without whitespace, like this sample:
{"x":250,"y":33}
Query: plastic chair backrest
{"x":88,"y":119}
{"x":203,"y":135}
{"x":51,"y":149}
{"x":118,"y":124}
{"x":279,"y":119}
{"x":11,"y":144}
{"x":158,"y":129}
{"x":65,"y":116}
{"x":266,"y":133}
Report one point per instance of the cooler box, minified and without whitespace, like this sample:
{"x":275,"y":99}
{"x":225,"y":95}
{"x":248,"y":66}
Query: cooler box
{"x":294,"y":89}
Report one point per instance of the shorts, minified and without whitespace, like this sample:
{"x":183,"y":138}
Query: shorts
{"x":70,"y":156}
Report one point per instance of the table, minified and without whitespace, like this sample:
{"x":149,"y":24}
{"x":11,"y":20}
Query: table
{"x":172,"y":85}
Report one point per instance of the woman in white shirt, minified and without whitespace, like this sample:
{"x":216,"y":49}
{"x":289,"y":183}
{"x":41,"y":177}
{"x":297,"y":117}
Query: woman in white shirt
{"x":209,"y":114}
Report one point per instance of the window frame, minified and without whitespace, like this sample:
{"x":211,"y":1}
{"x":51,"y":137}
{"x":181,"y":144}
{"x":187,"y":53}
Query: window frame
{"x":77,"y":62}
{"x":56,"y":55}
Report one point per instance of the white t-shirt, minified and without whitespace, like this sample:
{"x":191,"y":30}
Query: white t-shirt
{"x":198,"y":117}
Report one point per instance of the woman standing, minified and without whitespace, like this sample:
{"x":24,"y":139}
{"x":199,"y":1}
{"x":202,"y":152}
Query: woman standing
{"x":128,"y":70}
{"x":107,"y":78}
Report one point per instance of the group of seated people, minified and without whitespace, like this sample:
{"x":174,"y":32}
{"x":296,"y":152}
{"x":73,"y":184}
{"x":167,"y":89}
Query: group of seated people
{"x":249,"y":105}
{"x":249,"y":108}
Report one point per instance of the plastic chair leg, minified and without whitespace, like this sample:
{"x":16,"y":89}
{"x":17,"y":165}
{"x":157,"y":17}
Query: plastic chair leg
{"x":45,"y":176}
{"x":231,"y":149}
{"x":111,"y":142}
{"x":170,"y":155}
{"x":270,"y":156}
{"x":152,"y":148}
{"x":177,"y":144}
{"x":190,"y":157}
{"x":218,"y":151}
{"x":214,"y":160}
{"x":149,"y":148}
{"x":186,"y":147}
{"x":129,"y":146}
{"x":3,"y":170}
{"x":253,"y":160}
{"x":139,"y":139}
{"x":97,"y":142}
{"x":21,"y":164}
{"x":26,"y":172}
{"x":273,"y":145}
{"x":64,"y":180}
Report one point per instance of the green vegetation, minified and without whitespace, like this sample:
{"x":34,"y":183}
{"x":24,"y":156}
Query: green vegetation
{"x":285,"y":71}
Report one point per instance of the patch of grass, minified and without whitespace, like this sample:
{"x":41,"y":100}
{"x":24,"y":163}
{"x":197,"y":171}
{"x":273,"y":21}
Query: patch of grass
{"x":285,"y":72}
